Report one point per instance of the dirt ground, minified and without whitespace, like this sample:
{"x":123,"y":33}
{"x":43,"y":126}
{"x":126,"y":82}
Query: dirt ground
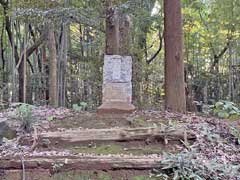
{"x":46,"y":119}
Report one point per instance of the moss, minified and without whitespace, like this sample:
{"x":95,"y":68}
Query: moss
{"x":144,"y":151}
{"x":139,"y":121}
{"x":109,"y":149}
{"x":102,"y":149}
{"x":144,"y":178}
{"x":116,"y":149}
{"x":90,"y":175}
{"x":76,"y":175}
{"x":104,"y":176}
{"x":72,"y":176}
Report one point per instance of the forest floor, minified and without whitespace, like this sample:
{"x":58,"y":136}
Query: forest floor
{"x":65,"y":144}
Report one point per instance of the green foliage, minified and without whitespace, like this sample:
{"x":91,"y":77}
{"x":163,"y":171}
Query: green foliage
{"x":192,"y":165}
{"x":50,"y":118}
{"x":104,"y":176}
{"x":102,"y":149}
{"x":24,"y":113}
{"x":226,"y":109}
{"x":208,"y":27}
{"x":80,"y":106}
{"x":144,"y":178}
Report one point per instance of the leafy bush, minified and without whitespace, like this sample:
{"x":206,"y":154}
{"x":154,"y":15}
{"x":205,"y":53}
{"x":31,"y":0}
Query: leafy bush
{"x":24,"y":113}
{"x":81,"y":106}
{"x":193,"y":165}
{"x":225,"y":109}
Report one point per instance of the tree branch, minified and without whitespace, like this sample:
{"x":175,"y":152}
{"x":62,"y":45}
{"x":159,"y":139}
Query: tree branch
{"x":223,"y":51}
{"x":31,"y":49}
{"x":148,"y":61}
{"x":217,"y":57}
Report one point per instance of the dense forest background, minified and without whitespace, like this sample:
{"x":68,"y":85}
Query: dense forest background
{"x":67,"y":37}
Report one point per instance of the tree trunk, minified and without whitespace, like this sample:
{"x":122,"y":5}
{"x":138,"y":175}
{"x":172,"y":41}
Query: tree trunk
{"x":62,"y":61}
{"x":21,"y":82}
{"x":118,"y":34}
{"x":175,"y":98}
{"x":112,"y":27}
{"x":25,"y":64}
{"x":53,"y":94}
{"x":45,"y":75}
{"x":230,"y":75}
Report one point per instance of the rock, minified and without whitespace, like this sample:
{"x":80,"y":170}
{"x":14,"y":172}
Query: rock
{"x":6,"y":131}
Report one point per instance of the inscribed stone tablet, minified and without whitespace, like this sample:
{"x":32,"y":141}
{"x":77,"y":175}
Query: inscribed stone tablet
{"x":117,"y":68}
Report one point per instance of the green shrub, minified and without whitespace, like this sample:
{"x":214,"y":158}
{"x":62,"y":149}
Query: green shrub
{"x":192,"y":165}
{"x":24,"y":113}
{"x":225,"y":109}
{"x":79,"y":107}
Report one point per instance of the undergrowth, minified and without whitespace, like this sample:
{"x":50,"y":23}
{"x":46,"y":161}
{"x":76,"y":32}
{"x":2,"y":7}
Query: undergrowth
{"x":192,"y":165}
{"x":24,"y":113}
{"x":225,"y":109}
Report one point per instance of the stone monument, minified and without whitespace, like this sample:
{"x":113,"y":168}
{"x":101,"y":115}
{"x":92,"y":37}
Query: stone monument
{"x":117,"y":69}
{"x":117,"y":85}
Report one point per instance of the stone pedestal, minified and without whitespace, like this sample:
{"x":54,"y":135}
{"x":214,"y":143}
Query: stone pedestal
{"x":117,"y":85}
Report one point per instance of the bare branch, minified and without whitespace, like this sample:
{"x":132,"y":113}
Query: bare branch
{"x":148,"y":61}
{"x":31,"y":49}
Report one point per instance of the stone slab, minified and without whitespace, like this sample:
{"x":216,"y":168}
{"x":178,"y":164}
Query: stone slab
{"x":115,"y":107}
{"x":117,"y":69}
{"x":117,"y":85}
{"x":120,"y":92}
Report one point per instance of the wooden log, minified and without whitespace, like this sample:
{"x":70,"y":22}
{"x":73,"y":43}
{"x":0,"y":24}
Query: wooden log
{"x":83,"y":163}
{"x":117,"y":134}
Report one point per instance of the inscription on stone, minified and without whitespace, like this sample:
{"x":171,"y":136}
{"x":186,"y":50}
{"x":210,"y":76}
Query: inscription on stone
{"x":117,"y":68}
{"x":116,"y":71}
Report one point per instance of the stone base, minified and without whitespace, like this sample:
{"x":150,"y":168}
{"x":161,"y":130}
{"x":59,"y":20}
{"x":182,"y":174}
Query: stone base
{"x":115,"y":107}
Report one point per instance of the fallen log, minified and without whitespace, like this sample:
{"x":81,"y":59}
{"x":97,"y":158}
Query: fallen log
{"x":82,"y":163}
{"x":116,"y":134}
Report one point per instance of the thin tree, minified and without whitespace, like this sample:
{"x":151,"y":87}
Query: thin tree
{"x":53,"y":91}
{"x":175,"y":98}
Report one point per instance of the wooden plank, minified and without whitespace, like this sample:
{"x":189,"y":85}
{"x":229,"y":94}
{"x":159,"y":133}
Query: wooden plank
{"x":117,"y":134}
{"x":83,"y":163}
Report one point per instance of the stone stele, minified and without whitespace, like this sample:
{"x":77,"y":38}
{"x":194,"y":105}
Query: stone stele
{"x":117,"y":85}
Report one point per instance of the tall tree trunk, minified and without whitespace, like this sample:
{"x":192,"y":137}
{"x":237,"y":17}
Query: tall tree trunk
{"x":118,"y":34}
{"x":24,"y":75}
{"x":230,"y":75}
{"x":175,"y":98}
{"x":53,"y":93}
{"x":21,"y":82}
{"x":112,"y":27}
{"x":62,"y":61}
{"x":45,"y":74}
